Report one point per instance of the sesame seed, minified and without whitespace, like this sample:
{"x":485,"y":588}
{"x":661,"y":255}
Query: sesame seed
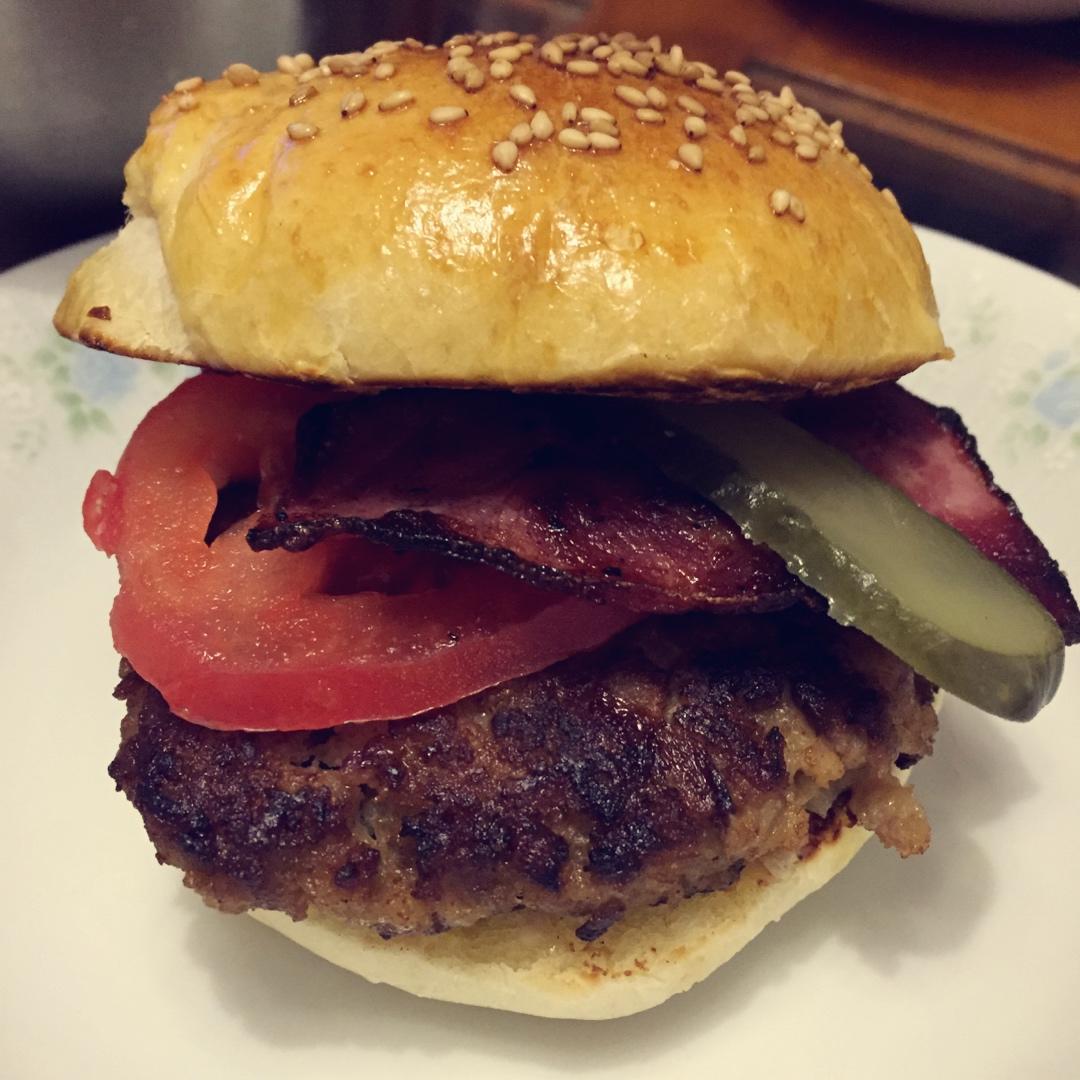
{"x":325,"y":70}
{"x":382,"y":48}
{"x":300,"y":131}
{"x":695,"y":127}
{"x":798,"y":211}
{"x":890,"y":197}
{"x":187,"y":102}
{"x":447,"y":114}
{"x":569,"y":113}
{"x":780,"y":201}
{"x":677,"y":57}
{"x":779,"y":135}
{"x":551,"y":54}
{"x":384,"y":70}
{"x":690,"y":105}
{"x":787,"y":97}
{"x":505,"y":155}
{"x":582,"y":67}
{"x":837,"y":127}
{"x":542,"y":126}
{"x":692,"y":72}
{"x":745,"y":116}
{"x":521,"y":134}
{"x":353,"y":102}
{"x":288,"y":65}
{"x":506,"y":52}
{"x":657,"y":97}
{"x":692,"y":156}
{"x":504,"y":37}
{"x":633,"y":66}
{"x":588,"y":43}
{"x":862,"y":168}
{"x":602,"y":140}
{"x":743,"y":88}
{"x":808,"y":151}
{"x":305,"y":93}
{"x":823,"y":138}
{"x":309,"y":76}
{"x":668,"y":67}
{"x":501,"y":69}
{"x":605,"y":126}
{"x":399,"y":99}
{"x":798,"y":125}
{"x":632,"y":96}
{"x":649,"y":116}
{"x":461,"y":50}
{"x":457,"y":66}
{"x":474,"y":79}
{"x":775,"y":108}
{"x":709,"y":69}
{"x":755,"y":155}
{"x":574,"y":139}
{"x":568,"y":45}
{"x":654,"y":43}
{"x":305,"y":61}
{"x":590,"y":115}
{"x":738,"y":135}
{"x":603,"y":52}
{"x":713,"y":86}
{"x":525,"y":47}
{"x":523,"y":95}
{"x":735,"y":77}
{"x":185,"y":86}
{"x":241,"y":74}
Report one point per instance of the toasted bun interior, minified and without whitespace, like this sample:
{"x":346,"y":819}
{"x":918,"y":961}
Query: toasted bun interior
{"x":661,"y":230}
{"x":529,"y":963}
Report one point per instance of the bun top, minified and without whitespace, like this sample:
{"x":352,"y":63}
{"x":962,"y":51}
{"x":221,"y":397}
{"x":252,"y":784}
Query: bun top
{"x":589,"y":213}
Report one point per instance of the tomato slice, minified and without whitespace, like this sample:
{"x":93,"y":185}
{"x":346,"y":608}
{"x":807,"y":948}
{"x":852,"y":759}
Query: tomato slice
{"x":347,"y":631}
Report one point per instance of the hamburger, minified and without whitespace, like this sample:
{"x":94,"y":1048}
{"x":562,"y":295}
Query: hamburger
{"x":546,"y":585}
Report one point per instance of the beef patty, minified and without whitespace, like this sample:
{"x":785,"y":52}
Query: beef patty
{"x":651,"y":769}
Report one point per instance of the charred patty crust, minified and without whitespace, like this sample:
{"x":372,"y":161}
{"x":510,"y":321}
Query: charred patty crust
{"x":651,"y":769}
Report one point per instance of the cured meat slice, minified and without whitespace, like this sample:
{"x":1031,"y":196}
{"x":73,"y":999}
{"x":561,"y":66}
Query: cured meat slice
{"x":926,"y":452}
{"x":530,"y":485}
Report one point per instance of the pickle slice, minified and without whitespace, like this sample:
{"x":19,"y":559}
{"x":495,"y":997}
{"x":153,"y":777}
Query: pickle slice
{"x":904,"y":578}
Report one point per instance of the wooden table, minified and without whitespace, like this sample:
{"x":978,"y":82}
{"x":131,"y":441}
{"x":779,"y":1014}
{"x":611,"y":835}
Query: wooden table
{"x":976,"y":128}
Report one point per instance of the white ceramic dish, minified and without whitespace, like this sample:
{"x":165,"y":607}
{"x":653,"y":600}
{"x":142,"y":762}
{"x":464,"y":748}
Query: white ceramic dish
{"x":1005,"y":11}
{"x":961,"y":963}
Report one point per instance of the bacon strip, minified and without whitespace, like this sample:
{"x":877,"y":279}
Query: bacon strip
{"x":523,"y":485}
{"x":926,"y":452}
{"x":533,"y":487}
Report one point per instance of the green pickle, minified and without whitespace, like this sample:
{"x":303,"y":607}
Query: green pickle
{"x":884,"y":565}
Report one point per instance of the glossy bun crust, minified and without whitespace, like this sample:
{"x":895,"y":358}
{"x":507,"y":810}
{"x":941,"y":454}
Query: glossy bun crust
{"x":387,"y":248}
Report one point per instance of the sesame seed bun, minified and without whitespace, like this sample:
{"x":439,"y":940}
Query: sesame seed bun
{"x":604,"y":218}
{"x":530,"y":963}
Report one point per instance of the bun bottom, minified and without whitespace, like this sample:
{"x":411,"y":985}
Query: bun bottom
{"x":531,"y":963}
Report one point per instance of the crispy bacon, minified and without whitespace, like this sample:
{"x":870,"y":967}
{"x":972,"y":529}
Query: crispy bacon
{"x":927,"y":453}
{"x":523,"y":485}
{"x":537,"y":488}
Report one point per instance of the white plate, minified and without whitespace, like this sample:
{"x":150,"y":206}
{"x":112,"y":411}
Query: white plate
{"x":1018,"y":11}
{"x":962,"y":963}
